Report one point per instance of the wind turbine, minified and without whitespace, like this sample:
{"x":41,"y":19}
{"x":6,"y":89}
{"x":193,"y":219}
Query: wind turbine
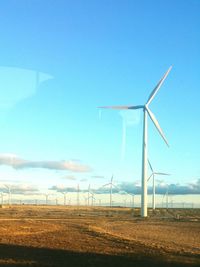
{"x":111,"y":189}
{"x":78,"y":191}
{"x":146,"y":112}
{"x":167,"y":197}
{"x":47,"y":197}
{"x":2,"y":195}
{"x":99,"y":202}
{"x":125,"y":202}
{"x":132,"y":200}
{"x":90,"y":196}
{"x":153,"y":173}
{"x":9,"y":194}
{"x":93,"y":198}
{"x":86,"y":200}
{"x":64,"y":195}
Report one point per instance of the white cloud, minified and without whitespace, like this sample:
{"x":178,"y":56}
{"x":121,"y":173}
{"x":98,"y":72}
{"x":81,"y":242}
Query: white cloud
{"x":83,"y":180}
{"x":61,"y":188}
{"x":97,"y":176}
{"x":18,"y":163}
{"x":19,"y":188}
{"x":69,"y":177}
{"x":162,"y":187}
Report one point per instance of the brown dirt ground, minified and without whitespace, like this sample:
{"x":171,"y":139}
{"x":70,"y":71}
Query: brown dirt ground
{"x":72,"y":236}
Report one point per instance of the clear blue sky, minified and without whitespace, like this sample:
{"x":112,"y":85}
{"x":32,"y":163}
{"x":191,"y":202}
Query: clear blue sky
{"x":90,"y":54}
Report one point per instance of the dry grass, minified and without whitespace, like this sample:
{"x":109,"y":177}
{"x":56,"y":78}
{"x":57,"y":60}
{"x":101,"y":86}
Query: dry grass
{"x":72,"y":236}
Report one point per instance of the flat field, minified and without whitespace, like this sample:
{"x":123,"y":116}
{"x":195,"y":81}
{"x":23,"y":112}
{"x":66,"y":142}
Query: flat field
{"x":98,"y":236}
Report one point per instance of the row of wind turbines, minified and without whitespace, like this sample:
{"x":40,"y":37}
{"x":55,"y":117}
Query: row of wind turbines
{"x":152,"y":175}
{"x":146,"y":112}
{"x":90,"y":197}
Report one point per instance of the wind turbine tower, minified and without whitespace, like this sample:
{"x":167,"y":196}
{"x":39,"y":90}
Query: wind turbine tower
{"x":146,"y":112}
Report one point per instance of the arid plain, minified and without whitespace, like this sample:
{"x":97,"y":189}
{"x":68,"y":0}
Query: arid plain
{"x":98,"y":236}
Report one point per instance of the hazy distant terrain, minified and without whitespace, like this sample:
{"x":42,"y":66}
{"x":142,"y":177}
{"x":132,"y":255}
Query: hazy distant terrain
{"x":97,"y":236}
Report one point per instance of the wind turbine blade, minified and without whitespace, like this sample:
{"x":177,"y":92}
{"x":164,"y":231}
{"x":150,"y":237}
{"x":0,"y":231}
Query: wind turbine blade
{"x":150,"y":177}
{"x":154,"y":120}
{"x":106,"y":184}
{"x":161,"y":173}
{"x":123,"y":107}
{"x":116,"y":187}
{"x":155,"y":90}
{"x":150,"y":166}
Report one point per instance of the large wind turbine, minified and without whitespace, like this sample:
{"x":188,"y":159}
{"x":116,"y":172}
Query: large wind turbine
{"x":153,"y":173}
{"x":146,"y":112}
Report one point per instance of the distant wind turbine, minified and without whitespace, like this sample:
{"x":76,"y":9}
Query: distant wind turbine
{"x":167,"y":197}
{"x":9,"y":194}
{"x":86,"y":200}
{"x":99,"y":202}
{"x":111,"y":189}
{"x":147,"y":112}
{"x":93,"y":199}
{"x":2,"y":195}
{"x":47,"y":197}
{"x":133,"y":200}
{"x":154,"y":186}
{"x":64,"y":195}
{"x":90,"y":196}
{"x":125,"y":202}
{"x":78,"y":191}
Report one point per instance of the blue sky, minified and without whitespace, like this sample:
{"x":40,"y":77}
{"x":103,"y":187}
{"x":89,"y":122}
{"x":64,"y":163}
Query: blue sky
{"x":60,"y":60}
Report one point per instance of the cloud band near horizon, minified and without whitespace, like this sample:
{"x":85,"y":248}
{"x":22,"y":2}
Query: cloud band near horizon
{"x":130,"y":188}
